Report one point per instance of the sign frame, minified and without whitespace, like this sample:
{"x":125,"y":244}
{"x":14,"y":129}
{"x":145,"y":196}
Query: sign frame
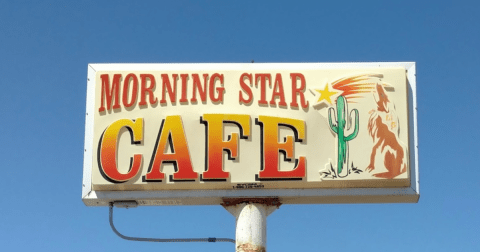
{"x":408,"y":194}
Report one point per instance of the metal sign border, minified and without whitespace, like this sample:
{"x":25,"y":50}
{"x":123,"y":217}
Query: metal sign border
{"x":287,"y":196}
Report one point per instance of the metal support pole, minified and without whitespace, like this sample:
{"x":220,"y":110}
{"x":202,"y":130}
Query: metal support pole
{"x":251,"y":224}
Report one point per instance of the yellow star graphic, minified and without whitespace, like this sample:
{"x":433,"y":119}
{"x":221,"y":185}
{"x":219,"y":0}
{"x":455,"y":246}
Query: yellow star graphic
{"x":325,"y":94}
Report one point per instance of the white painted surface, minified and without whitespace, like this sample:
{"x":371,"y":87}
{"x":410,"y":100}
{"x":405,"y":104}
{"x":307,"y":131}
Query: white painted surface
{"x":287,"y":196}
{"x":251,"y":225}
{"x":87,"y":157}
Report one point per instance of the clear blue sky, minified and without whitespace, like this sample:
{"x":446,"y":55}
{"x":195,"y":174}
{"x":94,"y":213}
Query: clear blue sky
{"x":45,"y":47}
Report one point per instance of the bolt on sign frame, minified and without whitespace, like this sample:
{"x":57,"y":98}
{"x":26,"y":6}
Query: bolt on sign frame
{"x":206,"y":134}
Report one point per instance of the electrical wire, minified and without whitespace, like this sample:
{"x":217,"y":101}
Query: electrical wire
{"x":211,"y":239}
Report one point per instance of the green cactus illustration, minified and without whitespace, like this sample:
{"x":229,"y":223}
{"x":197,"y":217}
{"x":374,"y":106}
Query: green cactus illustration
{"x":342,"y":124}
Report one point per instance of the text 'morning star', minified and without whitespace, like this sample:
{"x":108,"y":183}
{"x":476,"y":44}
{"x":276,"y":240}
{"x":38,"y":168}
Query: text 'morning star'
{"x":325,"y":94}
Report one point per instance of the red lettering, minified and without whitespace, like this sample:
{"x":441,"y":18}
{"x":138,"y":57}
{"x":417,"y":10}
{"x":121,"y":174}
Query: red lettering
{"x":220,"y":90}
{"x":278,"y":85}
{"x":147,"y":90}
{"x":109,"y":150}
{"x":197,"y":85}
{"x":298,"y":90}
{"x":171,"y":133}
{"x":108,"y":93}
{"x":263,"y":78}
{"x":184,"y":88}
{"x":271,"y":147}
{"x":126,"y":86}
{"x":246,"y":89}
{"x":172,"y":91}
{"x":215,"y":144}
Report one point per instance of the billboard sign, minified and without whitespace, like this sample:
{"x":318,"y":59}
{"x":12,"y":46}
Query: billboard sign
{"x":186,"y":134}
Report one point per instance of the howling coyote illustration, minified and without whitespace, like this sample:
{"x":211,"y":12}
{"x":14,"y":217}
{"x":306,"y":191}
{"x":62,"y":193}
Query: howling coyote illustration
{"x":383,"y":127}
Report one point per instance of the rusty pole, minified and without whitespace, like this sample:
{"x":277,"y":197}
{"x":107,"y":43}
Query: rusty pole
{"x":251,"y":222}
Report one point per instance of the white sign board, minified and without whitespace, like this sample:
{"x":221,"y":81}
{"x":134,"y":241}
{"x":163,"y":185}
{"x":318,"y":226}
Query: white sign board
{"x":200,"y":134}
